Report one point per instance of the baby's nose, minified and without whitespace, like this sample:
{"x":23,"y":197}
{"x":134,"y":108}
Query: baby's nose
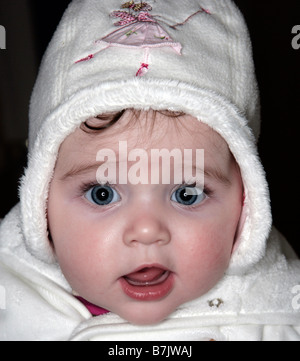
{"x":147,"y":230}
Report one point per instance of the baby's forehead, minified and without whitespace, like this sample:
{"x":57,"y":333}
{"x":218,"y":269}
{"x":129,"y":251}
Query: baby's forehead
{"x":149,"y":131}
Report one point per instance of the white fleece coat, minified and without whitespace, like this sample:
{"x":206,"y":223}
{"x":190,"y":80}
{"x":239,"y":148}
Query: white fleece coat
{"x":197,"y":61}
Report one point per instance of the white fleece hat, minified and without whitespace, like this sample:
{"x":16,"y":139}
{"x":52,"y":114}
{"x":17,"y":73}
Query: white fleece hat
{"x":192,"y":56}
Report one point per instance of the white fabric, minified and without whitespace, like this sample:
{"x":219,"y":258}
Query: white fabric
{"x":212,"y":78}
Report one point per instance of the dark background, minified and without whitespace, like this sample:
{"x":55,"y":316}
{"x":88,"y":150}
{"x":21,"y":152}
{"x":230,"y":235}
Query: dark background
{"x":29,"y":27}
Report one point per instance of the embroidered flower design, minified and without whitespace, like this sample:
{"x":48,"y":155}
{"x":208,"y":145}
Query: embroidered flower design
{"x":136,"y":7}
{"x":137,"y":28}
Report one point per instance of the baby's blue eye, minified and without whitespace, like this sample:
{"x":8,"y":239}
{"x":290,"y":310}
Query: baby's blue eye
{"x":102,"y":195}
{"x":188,"y":195}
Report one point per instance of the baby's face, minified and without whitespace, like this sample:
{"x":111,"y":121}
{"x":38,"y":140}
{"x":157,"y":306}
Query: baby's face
{"x":142,"y":250}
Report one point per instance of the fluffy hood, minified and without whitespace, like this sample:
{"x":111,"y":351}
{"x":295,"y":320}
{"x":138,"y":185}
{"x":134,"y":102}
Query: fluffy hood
{"x":193,"y":56}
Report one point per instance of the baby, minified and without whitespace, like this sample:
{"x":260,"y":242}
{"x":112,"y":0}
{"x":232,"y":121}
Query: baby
{"x":144,"y":211}
{"x":142,"y":250}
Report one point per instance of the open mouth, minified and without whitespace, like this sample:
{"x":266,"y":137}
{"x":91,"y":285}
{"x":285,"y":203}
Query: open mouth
{"x":148,"y":283}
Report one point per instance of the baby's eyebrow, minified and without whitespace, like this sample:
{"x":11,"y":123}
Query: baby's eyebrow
{"x":218,"y":175}
{"x":81,"y":169}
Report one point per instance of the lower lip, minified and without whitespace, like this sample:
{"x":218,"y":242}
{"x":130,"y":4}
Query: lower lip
{"x":148,"y":292}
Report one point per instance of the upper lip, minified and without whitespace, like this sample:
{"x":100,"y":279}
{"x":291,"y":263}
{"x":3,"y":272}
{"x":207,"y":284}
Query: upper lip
{"x":152,"y":265}
{"x":147,"y":265}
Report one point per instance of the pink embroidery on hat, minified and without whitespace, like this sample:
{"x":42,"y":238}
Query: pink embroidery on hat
{"x":137,"y":28}
{"x":85,"y":59}
{"x":142,"y":70}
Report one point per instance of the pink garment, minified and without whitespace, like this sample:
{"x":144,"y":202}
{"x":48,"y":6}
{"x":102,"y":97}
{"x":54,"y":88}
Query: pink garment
{"x":94,"y":310}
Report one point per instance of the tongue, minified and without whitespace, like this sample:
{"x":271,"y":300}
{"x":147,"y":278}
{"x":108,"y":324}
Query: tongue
{"x":146,"y":274}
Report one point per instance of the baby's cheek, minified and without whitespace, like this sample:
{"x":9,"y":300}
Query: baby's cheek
{"x":72,"y":250}
{"x":213,"y":256}
{"x":207,"y":260}
{"x":77,"y":270}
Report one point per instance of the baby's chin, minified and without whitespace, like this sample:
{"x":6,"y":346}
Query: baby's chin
{"x":146,"y":314}
{"x":144,"y":319}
